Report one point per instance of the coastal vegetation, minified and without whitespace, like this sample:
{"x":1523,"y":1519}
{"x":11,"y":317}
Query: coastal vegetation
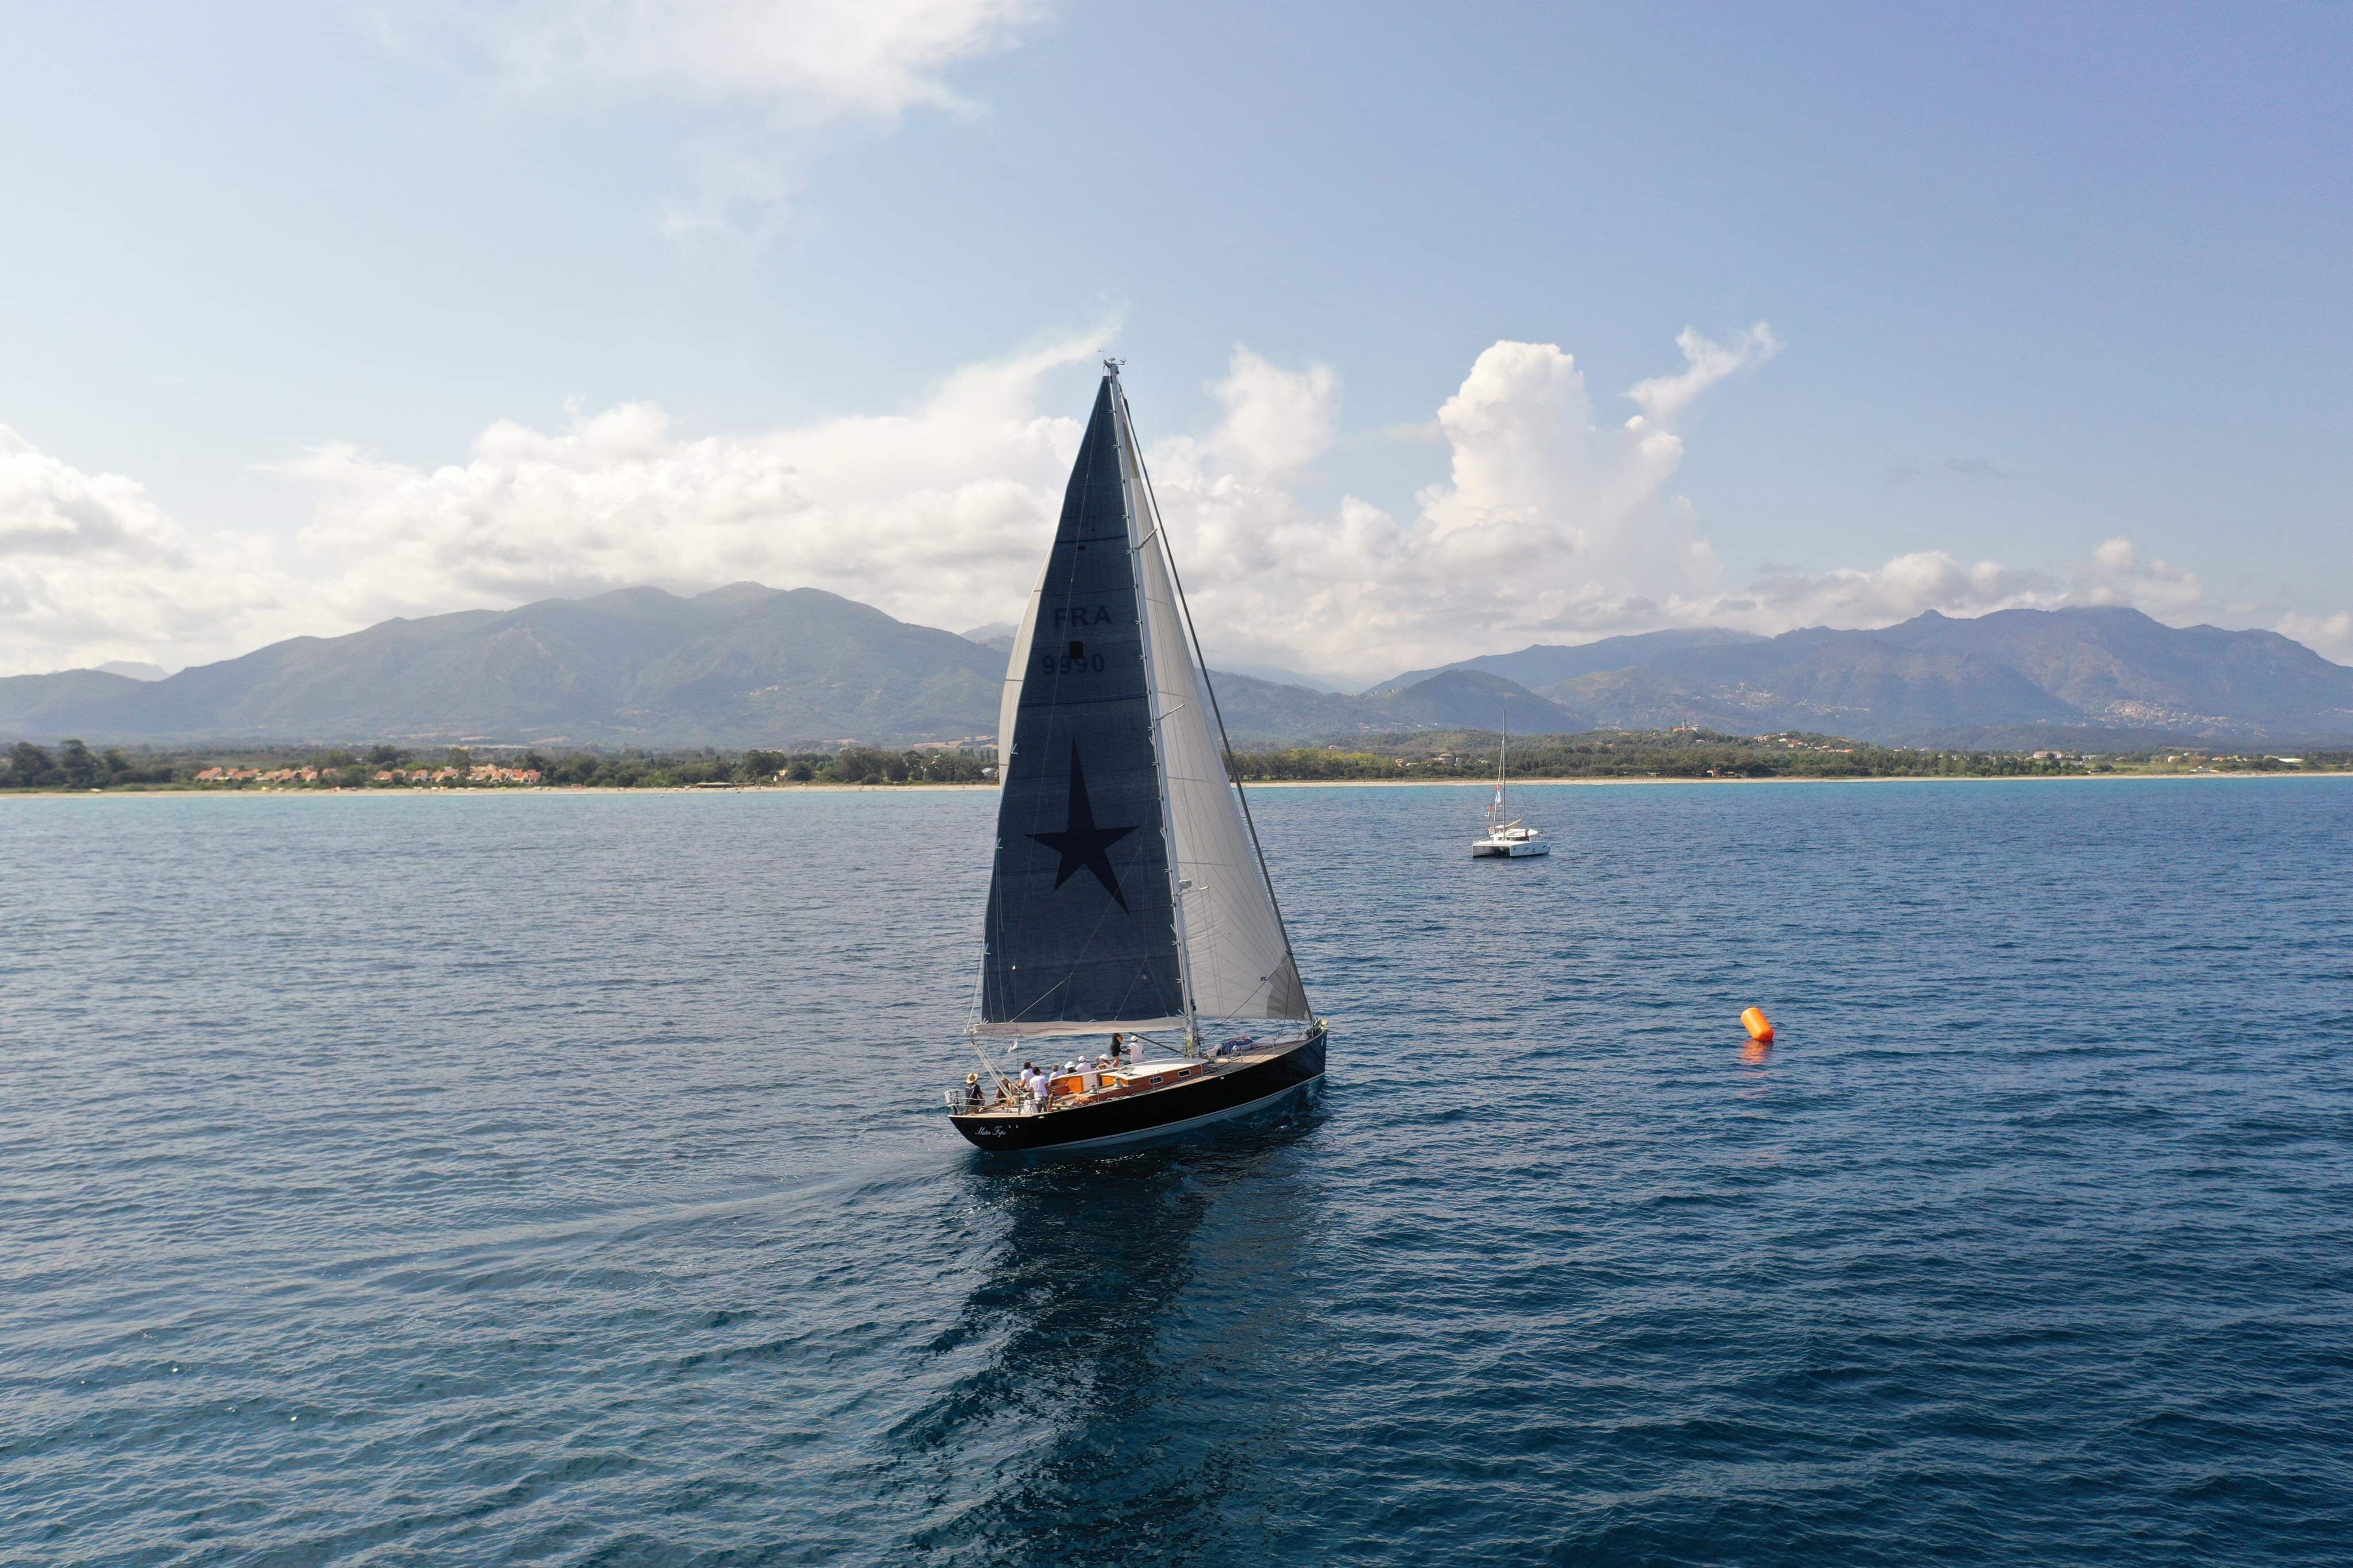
{"x":1694,"y":753}
{"x":74,"y":767}
{"x":1422,"y":757}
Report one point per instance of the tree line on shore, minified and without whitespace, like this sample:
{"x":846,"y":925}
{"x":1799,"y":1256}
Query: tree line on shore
{"x":1462,"y":754}
{"x":75,"y":767}
{"x":1704,"y":754}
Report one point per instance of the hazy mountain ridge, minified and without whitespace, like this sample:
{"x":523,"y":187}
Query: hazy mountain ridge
{"x":1934,"y":678}
{"x":738,"y":666}
{"x":748,"y":664}
{"x":1264,"y":712}
{"x":1540,"y":665}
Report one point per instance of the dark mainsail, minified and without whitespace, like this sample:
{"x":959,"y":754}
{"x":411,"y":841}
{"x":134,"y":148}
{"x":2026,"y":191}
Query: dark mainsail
{"x":1081,"y":928}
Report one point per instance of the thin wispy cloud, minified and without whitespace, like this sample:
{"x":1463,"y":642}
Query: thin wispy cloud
{"x":772,"y":82}
{"x":1957,"y":469}
{"x":802,"y":63}
{"x":1706,"y":364}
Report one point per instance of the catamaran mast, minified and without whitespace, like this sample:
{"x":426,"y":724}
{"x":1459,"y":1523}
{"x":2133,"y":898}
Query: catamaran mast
{"x":1131,"y":463}
{"x":1502,"y":744}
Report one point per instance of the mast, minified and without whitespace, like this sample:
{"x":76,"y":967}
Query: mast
{"x":1131,"y":462}
{"x":1503,"y":745}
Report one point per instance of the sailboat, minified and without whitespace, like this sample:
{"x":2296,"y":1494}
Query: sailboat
{"x":1511,"y":839}
{"x":1130,"y":912}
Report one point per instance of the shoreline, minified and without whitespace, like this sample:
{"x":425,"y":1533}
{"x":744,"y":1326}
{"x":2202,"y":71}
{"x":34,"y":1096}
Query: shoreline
{"x":1645,"y":780}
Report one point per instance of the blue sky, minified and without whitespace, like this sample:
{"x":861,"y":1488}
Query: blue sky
{"x":310,"y":314}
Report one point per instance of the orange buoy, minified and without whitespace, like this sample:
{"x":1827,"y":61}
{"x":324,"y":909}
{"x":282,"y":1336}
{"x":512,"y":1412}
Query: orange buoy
{"x":1759,"y":1030}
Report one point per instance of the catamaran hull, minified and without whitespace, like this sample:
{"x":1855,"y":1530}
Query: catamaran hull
{"x":1162,"y":1114}
{"x":1482,"y":851}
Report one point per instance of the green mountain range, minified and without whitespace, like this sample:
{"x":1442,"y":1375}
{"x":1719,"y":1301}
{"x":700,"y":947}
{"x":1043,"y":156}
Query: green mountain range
{"x":746,"y":664}
{"x":739,"y":666}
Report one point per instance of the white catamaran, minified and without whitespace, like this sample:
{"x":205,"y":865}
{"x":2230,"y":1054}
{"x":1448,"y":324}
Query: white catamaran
{"x":1130,"y":914}
{"x":1507,"y":839}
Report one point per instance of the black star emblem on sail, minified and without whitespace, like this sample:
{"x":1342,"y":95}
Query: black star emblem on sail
{"x":1082,"y":843}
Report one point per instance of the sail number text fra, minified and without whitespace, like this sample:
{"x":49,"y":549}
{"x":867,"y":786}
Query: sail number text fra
{"x":1074,"y":659}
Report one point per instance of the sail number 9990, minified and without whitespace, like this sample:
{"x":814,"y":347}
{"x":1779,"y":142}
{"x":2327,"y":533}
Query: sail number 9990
{"x":1074,"y":658}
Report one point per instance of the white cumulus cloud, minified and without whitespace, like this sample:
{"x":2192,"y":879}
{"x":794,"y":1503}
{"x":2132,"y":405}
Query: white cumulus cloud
{"x":93,"y":569}
{"x":929,"y":514}
{"x":1551,"y":524}
{"x":2330,"y":635}
{"x":1908,"y":584}
{"x":1548,"y":523}
{"x":1274,"y":421}
{"x":2119,"y":576}
{"x":1896,"y":590}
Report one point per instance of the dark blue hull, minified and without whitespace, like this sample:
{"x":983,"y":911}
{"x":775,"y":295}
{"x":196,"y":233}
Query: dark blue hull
{"x":1162,"y":1113}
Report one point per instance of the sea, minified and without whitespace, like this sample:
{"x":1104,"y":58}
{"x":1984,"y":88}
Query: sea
{"x":563,"y":1178}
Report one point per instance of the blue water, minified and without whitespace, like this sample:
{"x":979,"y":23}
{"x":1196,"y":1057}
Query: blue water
{"x":556,"y":1178}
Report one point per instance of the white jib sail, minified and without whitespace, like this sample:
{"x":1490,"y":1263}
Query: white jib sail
{"x":1017,"y":666}
{"x":1240,"y":961}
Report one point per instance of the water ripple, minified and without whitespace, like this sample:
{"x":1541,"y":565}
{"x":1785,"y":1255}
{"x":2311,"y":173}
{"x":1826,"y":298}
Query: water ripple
{"x":555,"y":1179}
